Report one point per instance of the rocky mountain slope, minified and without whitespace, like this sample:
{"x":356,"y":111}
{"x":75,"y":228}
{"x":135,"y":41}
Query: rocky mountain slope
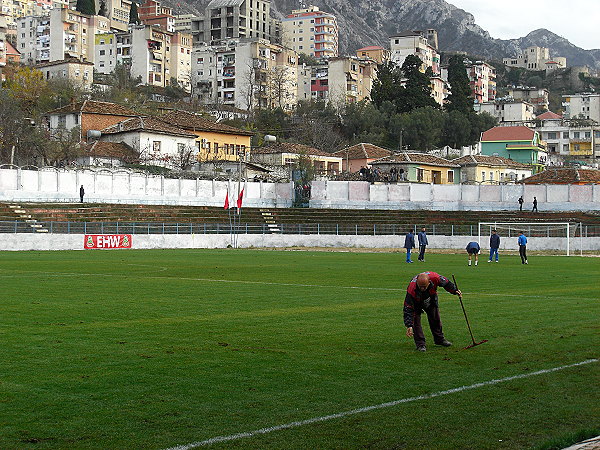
{"x":369,"y":22}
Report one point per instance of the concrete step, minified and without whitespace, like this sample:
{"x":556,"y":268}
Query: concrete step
{"x":19,"y":211}
{"x":41,"y":230}
{"x":14,"y":206}
{"x":35,"y":225}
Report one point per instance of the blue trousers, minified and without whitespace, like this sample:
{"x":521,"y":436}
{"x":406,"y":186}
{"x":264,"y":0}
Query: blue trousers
{"x":493,"y":251}
{"x":408,"y":255}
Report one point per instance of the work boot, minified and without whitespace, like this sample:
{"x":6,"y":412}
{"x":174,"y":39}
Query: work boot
{"x":444,"y":343}
{"x":421,"y":348}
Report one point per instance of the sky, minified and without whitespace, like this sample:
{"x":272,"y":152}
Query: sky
{"x":576,"y":20}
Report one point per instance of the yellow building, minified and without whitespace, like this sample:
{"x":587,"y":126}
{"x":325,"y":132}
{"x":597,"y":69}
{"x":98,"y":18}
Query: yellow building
{"x":215,"y":141}
{"x":580,"y":148}
{"x":374,"y":52}
{"x":484,"y":169}
{"x":418,"y":168}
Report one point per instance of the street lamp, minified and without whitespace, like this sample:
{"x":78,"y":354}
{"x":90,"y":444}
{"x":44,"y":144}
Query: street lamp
{"x":26,"y":121}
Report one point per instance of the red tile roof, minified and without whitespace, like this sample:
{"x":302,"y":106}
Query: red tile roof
{"x":363,"y":151}
{"x":416,"y":158}
{"x":289,"y":147}
{"x":146,"y":124}
{"x":111,"y":150}
{"x":196,"y":122}
{"x":94,"y":107}
{"x":564,"y":175}
{"x":474,"y":160}
{"x":519,"y":133}
{"x":549,"y":115}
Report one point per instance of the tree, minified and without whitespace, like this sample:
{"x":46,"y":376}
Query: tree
{"x":86,"y":7}
{"x":457,"y":130}
{"x":133,"y":13}
{"x":27,"y":85}
{"x":417,"y":87}
{"x":102,"y":11}
{"x":387,"y":85}
{"x":460,"y":98}
{"x":422,"y":128}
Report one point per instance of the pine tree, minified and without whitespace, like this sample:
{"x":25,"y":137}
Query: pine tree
{"x":417,"y":86}
{"x":460,"y":97}
{"x":133,"y":13}
{"x":102,"y":11}
{"x":86,"y":7}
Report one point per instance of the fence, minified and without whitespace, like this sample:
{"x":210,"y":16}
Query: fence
{"x":283,"y":228}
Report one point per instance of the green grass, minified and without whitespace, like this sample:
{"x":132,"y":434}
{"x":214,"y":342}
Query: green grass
{"x":152,"y":349}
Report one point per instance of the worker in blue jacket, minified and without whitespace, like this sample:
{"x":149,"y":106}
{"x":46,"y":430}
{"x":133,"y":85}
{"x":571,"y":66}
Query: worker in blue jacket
{"x":522,"y":241}
{"x":494,"y":245}
{"x":423,"y":243}
{"x":473,"y":250}
{"x":409,"y":244}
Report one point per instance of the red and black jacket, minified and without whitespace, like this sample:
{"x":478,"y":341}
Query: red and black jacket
{"x":414,"y":301}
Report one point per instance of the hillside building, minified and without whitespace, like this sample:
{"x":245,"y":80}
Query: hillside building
{"x":536,"y":58}
{"x":151,"y":12}
{"x":419,"y":43}
{"x":482,"y":79}
{"x":374,"y":52}
{"x":312,"y":32}
{"x":582,"y":106}
{"x":538,"y":97}
{"x":508,"y":111}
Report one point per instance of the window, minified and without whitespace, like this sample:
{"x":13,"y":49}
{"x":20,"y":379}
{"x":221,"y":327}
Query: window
{"x":451,"y":176}
{"x":102,"y":52}
{"x":216,"y":147}
{"x":565,"y":135}
{"x":482,"y":176}
{"x":552,"y":135}
{"x":180,"y":148}
{"x":576,"y":134}
{"x":491,"y":176}
{"x":420,"y":174}
{"x":588,"y":134}
{"x":156,"y":146}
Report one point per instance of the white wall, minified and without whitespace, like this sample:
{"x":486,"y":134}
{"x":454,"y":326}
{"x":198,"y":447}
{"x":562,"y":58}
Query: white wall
{"x":123,"y":187}
{"x":26,"y":241}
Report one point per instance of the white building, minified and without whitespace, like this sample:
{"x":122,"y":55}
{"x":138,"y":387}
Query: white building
{"x":245,"y":74}
{"x":419,"y":43}
{"x":312,"y":32}
{"x":80,"y":73}
{"x":507,"y":111}
{"x":538,"y":97}
{"x":583,"y":106}
{"x":535,"y":58}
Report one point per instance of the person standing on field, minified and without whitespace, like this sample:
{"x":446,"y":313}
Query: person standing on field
{"x":409,"y":244}
{"x":521,"y":203}
{"x":473,"y":251}
{"x":423,"y":243}
{"x":534,"y":205}
{"x":522,"y":241}
{"x":494,"y":245}
{"x":421,"y":295}
{"x":81,"y":193}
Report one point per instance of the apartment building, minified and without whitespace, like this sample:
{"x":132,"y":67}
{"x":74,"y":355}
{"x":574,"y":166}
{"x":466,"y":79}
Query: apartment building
{"x":583,"y":106}
{"x":419,"y":43}
{"x":33,"y":39}
{"x":79,"y":72}
{"x":439,"y":89}
{"x":374,"y":52}
{"x":183,"y":22}
{"x":13,"y":10}
{"x":538,"y":97}
{"x":245,"y":74}
{"x":343,"y":79}
{"x":535,"y":58}
{"x":117,"y":11}
{"x":482,"y":79}
{"x":508,"y":111}
{"x":151,"y":12}
{"x":312,"y":32}
{"x":568,"y":140}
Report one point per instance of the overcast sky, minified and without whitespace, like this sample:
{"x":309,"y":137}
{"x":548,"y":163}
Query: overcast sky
{"x":576,"y":20}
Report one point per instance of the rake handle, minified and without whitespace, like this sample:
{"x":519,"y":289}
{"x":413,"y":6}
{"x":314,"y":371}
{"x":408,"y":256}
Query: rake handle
{"x":464,"y":311}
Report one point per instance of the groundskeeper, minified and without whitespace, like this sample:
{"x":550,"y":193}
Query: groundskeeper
{"x":421,"y":295}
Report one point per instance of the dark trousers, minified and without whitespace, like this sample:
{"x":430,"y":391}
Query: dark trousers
{"x":435,"y":325}
{"x":523,"y":253}
{"x":422,"y":252}
{"x":534,"y":208}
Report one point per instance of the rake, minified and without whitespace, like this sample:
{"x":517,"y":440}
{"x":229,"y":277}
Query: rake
{"x":468,"y":325}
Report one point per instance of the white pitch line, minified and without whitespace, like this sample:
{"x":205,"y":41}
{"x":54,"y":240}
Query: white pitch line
{"x":300,"y":423}
{"x":268,"y":283}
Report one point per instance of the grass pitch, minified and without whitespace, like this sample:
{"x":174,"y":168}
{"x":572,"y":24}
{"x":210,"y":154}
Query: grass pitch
{"x":153,"y":349}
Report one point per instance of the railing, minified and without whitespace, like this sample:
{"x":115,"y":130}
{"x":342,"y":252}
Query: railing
{"x":281,"y":228}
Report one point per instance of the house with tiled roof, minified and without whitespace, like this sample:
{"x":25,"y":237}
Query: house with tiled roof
{"x":564,"y":175}
{"x":88,"y":115}
{"x":215,"y":141}
{"x":360,"y":155}
{"x":519,"y":143}
{"x":419,"y":168}
{"x":549,"y":115}
{"x":484,"y":169}
{"x":107,"y":154}
{"x":156,"y":142}
{"x":374,"y":52}
{"x":287,"y":153}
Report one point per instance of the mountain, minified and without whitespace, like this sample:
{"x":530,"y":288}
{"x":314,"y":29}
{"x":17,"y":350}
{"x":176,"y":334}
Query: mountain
{"x":369,"y":22}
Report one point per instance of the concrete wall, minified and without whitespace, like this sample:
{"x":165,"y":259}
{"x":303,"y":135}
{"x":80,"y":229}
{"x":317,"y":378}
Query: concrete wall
{"x":28,"y":241}
{"x":123,"y":187}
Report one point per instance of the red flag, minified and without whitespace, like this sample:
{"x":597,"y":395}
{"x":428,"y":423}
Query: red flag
{"x":226,"y":206}
{"x":240,"y":197}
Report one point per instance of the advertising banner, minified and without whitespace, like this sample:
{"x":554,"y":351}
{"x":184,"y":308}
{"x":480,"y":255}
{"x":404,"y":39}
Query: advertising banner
{"x":93,"y":241}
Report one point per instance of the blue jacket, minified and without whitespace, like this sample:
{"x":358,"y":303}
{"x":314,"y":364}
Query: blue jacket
{"x":522,"y":240}
{"x":472,"y":247}
{"x":409,"y":241}
{"x":494,"y":241}
{"x":422,"y":238}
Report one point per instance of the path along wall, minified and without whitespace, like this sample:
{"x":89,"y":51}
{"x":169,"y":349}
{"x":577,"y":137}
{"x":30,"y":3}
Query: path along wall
{"x":30,"y":241}
{"x":122,"y":187}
